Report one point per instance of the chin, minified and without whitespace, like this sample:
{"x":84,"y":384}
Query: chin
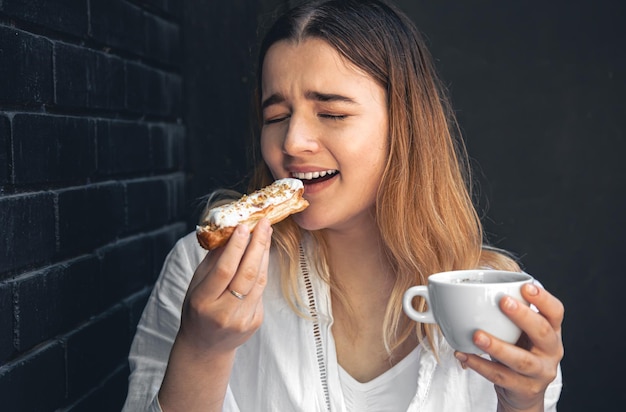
{"x":307,"y":222}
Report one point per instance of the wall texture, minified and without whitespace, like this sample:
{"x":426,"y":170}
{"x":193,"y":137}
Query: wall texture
{"x":92,"y":190}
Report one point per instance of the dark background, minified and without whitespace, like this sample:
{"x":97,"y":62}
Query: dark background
{"x":539,"y":91}
{"x":115,"y":120}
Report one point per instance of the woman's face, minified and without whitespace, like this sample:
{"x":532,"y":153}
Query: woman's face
{"x":324,"y":122}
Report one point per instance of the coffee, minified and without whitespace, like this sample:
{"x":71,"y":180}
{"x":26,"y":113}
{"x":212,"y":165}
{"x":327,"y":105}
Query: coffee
{"x":490,"y":278}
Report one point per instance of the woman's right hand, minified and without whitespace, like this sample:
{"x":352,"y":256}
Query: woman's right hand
{"x":215,"y":321}
{"x":223,"y":306}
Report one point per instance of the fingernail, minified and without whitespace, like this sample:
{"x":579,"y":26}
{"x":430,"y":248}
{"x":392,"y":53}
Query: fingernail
{"x":460,"y":356}
{"x":509,"y":303}
{"x":532,"y":289}
{"x":481,"y":340}
{"x":265,"y":226}
{"x":241,"y":230}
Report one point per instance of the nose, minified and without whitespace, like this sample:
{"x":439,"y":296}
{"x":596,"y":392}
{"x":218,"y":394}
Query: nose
{"x":300,"y":137}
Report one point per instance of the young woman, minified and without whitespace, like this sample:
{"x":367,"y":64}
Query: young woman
{"x":350,"y":104}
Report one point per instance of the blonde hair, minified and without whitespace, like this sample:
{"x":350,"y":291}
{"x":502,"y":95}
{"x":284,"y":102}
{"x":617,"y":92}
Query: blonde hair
{"x":424,"y":208}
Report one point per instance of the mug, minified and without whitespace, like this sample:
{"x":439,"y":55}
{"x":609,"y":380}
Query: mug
{"x":463,"y":301}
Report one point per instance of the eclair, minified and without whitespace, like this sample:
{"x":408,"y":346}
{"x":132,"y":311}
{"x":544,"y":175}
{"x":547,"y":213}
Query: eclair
{"x":275,"y":202}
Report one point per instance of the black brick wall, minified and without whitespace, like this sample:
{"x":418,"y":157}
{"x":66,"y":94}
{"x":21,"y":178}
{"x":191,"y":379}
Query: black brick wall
{"x":92,"y":191}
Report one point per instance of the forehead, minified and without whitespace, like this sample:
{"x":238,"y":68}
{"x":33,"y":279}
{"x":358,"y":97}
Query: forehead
{"x":311,"y":60}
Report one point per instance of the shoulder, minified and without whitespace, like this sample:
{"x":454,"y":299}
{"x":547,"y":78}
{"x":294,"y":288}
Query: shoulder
{"x":182,"y":260}
{"x":189,"y":249}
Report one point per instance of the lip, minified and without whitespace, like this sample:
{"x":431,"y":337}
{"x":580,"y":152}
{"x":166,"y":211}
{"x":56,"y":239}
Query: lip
{"x":315,"y":186}
{"x":307,"y":169}
{"x":319,"y":177}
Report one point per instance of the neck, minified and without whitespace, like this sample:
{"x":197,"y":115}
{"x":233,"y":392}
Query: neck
{"x":357,"y":260}
{"x":360,"y":268}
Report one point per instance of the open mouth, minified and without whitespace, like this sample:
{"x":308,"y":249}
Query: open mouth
{"x":315,"y":177}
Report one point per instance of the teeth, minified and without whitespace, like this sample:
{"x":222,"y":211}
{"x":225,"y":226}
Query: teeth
{"x":313,"y":175}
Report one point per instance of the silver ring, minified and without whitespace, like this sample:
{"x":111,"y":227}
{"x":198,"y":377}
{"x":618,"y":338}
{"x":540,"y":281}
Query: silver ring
{"x":238,"y":295}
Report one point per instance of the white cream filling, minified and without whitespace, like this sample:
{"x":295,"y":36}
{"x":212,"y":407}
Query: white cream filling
{"x":231,"y":214}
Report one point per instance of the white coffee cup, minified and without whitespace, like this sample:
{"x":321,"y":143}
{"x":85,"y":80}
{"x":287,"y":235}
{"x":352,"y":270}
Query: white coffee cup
{"x":464,"y":301}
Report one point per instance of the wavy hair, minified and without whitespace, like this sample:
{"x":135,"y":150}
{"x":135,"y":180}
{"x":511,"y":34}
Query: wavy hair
{"x":424,"y":209}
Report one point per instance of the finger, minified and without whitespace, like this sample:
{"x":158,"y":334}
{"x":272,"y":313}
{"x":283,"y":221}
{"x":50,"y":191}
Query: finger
{"x":254,"y":298}
{"x":512,"y":356}
{"x":493,"y":371}
{"x":204,"y":267}
{"x":544,"y":336}
{"x":223,"y":268}
{"x":547,"y":304}
{"x":259,"y":286}
{"x":250,"y":266}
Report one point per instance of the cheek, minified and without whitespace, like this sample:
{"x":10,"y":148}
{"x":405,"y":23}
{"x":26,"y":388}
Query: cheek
{"x":271,"y":153}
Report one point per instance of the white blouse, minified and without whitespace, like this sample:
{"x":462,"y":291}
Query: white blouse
{"x":290,"y":363}
{"x":390,"y":392}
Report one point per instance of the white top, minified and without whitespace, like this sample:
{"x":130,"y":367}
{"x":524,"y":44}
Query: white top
{"x":290,"y":363}
{"x":390,"y":392}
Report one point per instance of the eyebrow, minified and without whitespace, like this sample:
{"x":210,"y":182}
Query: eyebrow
{"x":277,"y":98}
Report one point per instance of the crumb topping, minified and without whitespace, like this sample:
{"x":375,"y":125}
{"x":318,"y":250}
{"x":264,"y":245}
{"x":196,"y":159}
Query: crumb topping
{"x":231,"y":213}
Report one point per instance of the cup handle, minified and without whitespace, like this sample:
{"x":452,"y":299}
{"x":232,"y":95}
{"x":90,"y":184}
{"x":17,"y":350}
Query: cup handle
{"x":407,"y":305}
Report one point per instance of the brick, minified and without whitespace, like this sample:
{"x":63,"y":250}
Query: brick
{"x":165,"y":6}
{"x":89,"y":216}
{"x":6,"y":322}
{"x":163,"y":41}
{"x":126,"y":268}
{"x":27,"y":235}
{"x":35,"y":382}
{"x":168,"y":146}
{"x":26,"y":69}
{"x":123,"y":147}
{"x":97,"y":349}
{"x":174,"y":90}
{"x":54,"y":300}
{"x":67,"y":16}
{"x":108,"y":83}
{"x":108,"y":396}
{"x":62,"y":148}
{"x":119,"y":24}
{"x":153,"y":202}
{"x":148,"y":203}
{"x":5,"y":138}
{"x":177,"y":190}
{"x":175,"y":8}
{"x":154,"y":91}
{"x":71,"y":65}
{"x":87,"y":78}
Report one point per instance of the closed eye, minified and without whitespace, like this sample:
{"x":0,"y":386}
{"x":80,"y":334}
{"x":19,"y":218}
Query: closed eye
{"x":275,"y":120}
{"x":332,"y":116}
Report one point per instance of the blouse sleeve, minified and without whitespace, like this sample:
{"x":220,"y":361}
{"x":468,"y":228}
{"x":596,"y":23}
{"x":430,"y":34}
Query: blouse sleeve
{"x":553,"y":393}
{"x":159,"y":325}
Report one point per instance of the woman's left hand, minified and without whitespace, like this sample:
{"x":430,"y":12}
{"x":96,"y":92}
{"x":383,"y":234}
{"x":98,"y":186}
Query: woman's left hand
{"x":521,"y":373}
